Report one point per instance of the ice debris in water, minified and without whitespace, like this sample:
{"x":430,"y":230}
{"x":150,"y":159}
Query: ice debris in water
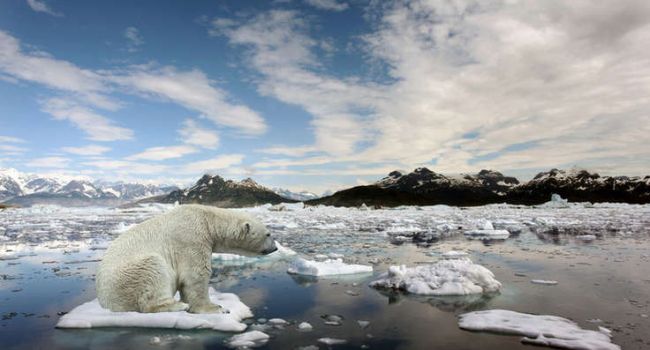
{"x":92,"y":315}
{"x":544,"y":282}
{"x":250,"y":339}
{"x":486,"y":231}
{"x":453,"y":254}
{"x":305,"y":327}
{"x":556,"y":202}
{"x":328,"y":267}
{"x":445,"y":277}
{"x":545,"y":330}
{"x":282,"y":252}
{"x":332,"y":341}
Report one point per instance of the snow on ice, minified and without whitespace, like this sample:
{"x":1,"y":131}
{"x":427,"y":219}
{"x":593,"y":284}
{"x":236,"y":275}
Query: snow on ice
{"x":544,"y":330}
{"x":445,"y":277}
{"x":92,"y":315}
{"x":328,"y":267}
{"x":250,"y":339}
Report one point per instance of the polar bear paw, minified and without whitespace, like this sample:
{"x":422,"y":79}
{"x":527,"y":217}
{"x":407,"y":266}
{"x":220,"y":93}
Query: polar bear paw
{"x":208,"y":309}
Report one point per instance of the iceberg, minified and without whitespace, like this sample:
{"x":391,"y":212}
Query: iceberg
{"x":247,"y":340}
{"x":445,"y":277}
{"x":92,"y":315}
{"x":544,"y":330}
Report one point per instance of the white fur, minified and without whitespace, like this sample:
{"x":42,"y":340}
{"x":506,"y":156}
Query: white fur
{"x":145,"y":266}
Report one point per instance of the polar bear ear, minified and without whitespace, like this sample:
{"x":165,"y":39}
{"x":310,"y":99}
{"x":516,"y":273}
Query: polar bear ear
{"x":247,"y":228}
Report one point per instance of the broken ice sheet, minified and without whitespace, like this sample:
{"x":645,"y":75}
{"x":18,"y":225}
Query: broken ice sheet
{"x":545,"y":330}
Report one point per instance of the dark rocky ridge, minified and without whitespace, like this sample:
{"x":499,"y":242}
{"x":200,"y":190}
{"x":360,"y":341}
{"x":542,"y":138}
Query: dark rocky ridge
{"x":214,"y":190}
{"x":425,"y":187}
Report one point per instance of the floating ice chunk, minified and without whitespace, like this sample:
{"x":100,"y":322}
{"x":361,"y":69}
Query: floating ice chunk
{"x":545,"y":330}
{"x":487,"y":234}
{"x":277,"y":321}
{"x":328,"y":267}
{"x":250,"y":339}
{"x":92,"y":315}
{"x":332,"y":341}
{"x":586,"y":238}
{"x":241,"y":259}
{"x":545,"y":282}
{"x":445,"y":277}
{"x":363,"y":324}
{"x":305,"y":327}
{"x":453,"y":254}
{"x":485,"y":225}
{"x":556,"y":202}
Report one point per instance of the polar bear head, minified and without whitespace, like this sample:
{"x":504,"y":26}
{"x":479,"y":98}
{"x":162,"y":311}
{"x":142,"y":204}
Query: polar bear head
{"x":248,"y":237}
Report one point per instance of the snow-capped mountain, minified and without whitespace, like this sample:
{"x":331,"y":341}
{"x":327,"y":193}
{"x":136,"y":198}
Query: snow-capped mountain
{"x":27,"y":189}
{"x":296,"y":196}
{"x":425,"y":187}
{"x":214,"y":190}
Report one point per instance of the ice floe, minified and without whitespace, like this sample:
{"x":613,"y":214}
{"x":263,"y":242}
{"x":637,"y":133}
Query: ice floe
{"x":328,"y":267}
{"x":544,"y":282}
{"x":251,"y":339}
{"x":445,"y":277}
{"x":235,"y":259}
{"x":544,"y":330}
{"x":92,"y":315}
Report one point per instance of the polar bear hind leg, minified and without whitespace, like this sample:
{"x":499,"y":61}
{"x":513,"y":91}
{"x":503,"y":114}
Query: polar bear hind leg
{"x":150,"y":280}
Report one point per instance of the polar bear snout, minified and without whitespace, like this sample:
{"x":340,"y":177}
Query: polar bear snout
{"x":269,"y":251}
{"x":269,"y":245}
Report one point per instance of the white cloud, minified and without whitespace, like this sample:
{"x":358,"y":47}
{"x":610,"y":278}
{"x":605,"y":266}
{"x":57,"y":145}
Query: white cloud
{"x":570,"y":79}
{"x":49,"y":162}
{"x":124,"y":167}
{"x":298,"y":151}
{"x":97,"y":127}
{"x":211,"y":165}
{"x":193,"y":134}
{"x":38,"y":67}
{"x":41,"y":6}
{"x":332,"y":5}
{"x":88,"y":150}
{"x":195,"y":91}
{"x":11,"y":139}
{"x":134,"y":39}
{"x":281,"y":51}
{"x":12,"y":150}
{"x":164,"y":153}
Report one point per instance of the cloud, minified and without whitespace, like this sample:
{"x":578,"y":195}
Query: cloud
{"x":12,"y":150}
{"x":193,"y":134}
{"x":11,"y":139}
{"x":212,"y":165}
{"x":38,"y":67}
{"x":195,"y":91}
{"x":41,"y":6}
{"x":97,"y":127}
{"x":281,"y":50}
{"x":49,"y":162}
{"x":332,"y":5}
{"x":288,"y":151}
{"x":164,"y":153}
{"x":88,"y":150}
{"x":134,"y":39}
{"x":124,"y":167}
{"x":569,"y":79}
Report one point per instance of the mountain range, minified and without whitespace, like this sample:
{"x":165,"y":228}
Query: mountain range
{"x":25,"y":189}
{"x":425,"y":187}
{"x":215,"y":190}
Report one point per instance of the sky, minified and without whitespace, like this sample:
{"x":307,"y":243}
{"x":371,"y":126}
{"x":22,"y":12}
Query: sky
{"x":323,"y":94}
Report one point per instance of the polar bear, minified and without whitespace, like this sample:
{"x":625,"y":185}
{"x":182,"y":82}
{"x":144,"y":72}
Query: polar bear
{"x":145,"y":266}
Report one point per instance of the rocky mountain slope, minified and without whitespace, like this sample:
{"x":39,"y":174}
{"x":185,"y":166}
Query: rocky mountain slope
{"x":215,"y":190}
{"x":297,"y":196}
{"x":425,"y":187}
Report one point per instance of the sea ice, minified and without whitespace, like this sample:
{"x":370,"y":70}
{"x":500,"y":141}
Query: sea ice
{"x":453,"y":254}
{"x":305,"y":327}
{"x":241,"y":259}
{"x":487,"y":234}
{"x":250,"y":339}
{"x":445,"y":277}
{"x":328,"y":267}
{"x":545,"y":282}
{"x":92,"y":315}
{"x":332,"y":341}
{"x":545,"y":330}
